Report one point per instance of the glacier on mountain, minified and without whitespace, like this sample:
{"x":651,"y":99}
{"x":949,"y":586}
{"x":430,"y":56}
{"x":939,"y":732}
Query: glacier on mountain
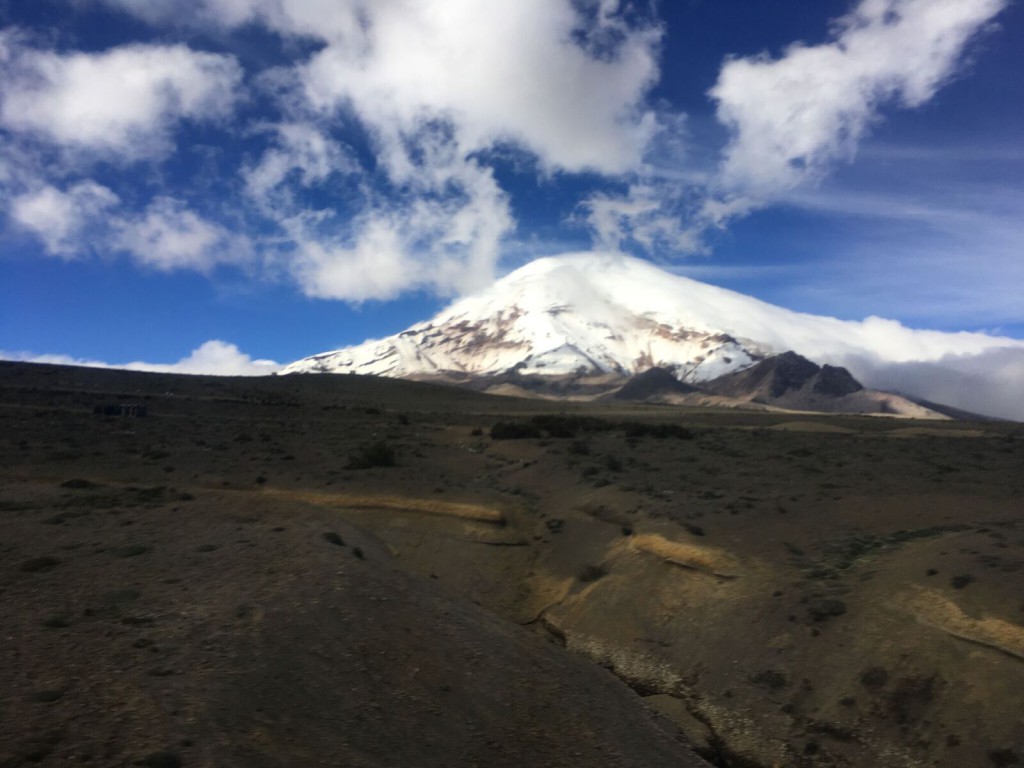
{"x":594,"y":313}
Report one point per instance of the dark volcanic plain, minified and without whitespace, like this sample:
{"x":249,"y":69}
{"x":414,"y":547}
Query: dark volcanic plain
{"x":238,"y":579}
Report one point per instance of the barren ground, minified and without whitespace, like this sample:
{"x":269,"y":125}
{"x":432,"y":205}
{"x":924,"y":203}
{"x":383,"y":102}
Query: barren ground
{"x":213,"y":585}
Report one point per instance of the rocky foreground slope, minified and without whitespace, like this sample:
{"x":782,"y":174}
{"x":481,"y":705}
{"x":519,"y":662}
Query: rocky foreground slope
{"x":347,"y":570}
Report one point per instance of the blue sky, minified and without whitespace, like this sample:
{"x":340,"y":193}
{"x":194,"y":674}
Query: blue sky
{"x":291,"y":176}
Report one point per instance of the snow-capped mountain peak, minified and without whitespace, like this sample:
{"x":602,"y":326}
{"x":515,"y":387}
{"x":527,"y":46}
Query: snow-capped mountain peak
{"x":594,"y":313}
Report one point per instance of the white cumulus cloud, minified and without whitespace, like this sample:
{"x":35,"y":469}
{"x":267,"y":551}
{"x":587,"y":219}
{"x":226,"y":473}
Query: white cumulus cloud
{"x":214,"y":358}
{"x":495,"y":72}
{"x":87,"y":218}
{"x":435,"y":85}
{"x":446,"y":242}
{"x":169,"y":236}
{"x":794,"y":116}
{"x":302,"y":154}
{"x":123,"y":102}
{"x":61,"y":218}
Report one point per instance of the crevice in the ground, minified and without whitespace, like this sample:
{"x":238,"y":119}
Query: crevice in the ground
{"x":716,"y":751}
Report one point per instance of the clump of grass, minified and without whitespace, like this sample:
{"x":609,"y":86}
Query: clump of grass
{"x":771,"y":679}
{"x":514,"y":430}
{"x":637,"y":429}
{"x":1003,"y":757}
{"x":874,"y":678}
{"x":591,"y":573}
{"x":161,"y":760}
{"x":378,"y":454}
{"x":910,"y":698}
{"x":822,"y":610}
{"x":959,"y":582}
{"x":131,"y":550}
{"x":120,"y":596}
{"x":39,"y":564}
{"x":48,"y":696}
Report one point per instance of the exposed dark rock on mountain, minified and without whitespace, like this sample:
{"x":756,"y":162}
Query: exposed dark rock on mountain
{"x":782,"y":375}
{"x":653,"y":383}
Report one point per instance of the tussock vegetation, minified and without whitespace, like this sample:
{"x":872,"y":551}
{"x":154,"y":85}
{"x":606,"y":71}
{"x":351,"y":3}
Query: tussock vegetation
{"x":562,"y":426}
{"x":514,"y":431}
{"x":935,"y":610}
{"x":476,"y":512}
{"x":704,"y":559}
{"x":378,"y":454}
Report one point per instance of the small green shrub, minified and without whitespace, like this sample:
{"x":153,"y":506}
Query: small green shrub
{"x":579,"y":448}
{"x":1003,"y":757}
{"x":874,"y":678}
{"x":513,"y":430}
{"x":131,"y":550}
{"x":592,"y":573}
{"x":378,"y":454}
{"x":39,"y":564}
{"x":959,"y":582}
{"x":822,"y":610}
{"x":771,"y":679}
{"x":636,"y":429}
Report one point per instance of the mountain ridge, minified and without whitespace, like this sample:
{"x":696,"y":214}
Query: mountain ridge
{"x":581,"y":317}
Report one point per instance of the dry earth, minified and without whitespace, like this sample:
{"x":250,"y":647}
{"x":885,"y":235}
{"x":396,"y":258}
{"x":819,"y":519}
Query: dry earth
{"x":218,"y":584}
